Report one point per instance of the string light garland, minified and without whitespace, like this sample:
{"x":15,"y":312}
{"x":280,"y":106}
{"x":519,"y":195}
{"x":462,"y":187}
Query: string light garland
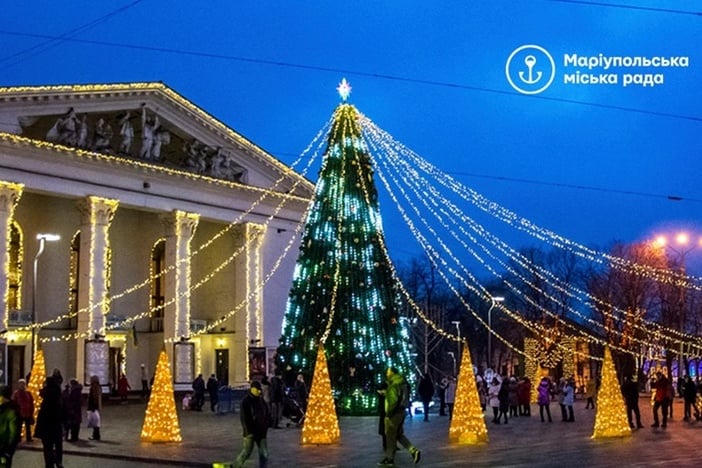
{"x":37,"y":377}
{"x":409,"y":173}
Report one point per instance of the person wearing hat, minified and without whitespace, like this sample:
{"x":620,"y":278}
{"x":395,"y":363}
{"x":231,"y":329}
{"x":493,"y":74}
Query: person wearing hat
{"x":255,"y":419}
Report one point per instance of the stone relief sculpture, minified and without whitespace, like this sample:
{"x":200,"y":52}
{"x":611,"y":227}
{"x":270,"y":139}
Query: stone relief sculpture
{"x":126,"y":131}
{"x":103,"y":136}
{"x":83,"y":132}
{"x":199,"y":158}
{"x":64,"y":131}
{"x":149,"y":126}
{"x":162,"y":137}
{"x":196,"y":156}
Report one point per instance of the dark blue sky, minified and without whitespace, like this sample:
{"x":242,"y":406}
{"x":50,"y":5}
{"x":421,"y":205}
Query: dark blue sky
{"x":430,"y":73}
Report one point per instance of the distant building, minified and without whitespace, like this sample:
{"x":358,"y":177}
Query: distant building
{"x":142,"y":186}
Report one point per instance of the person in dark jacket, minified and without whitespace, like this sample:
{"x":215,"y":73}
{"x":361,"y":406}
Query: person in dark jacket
{"x":73,"y":411}
{"x":10,"y":425}
{"x":277,"y":393}
{"x":49,"y":426}
{"x":254,"y":422}
{"x":198,"y":393}
{"x":503,"y":398}
{"x":689,"y":392}
{"x":630,"y":390}
{"x":212,"y":389}
{"x":660,"y":399}
{"x":426,"y":393}
{"x":95,"y":404}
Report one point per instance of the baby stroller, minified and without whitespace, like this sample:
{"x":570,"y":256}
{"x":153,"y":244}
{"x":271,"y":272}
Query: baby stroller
{"x":292,"y":409}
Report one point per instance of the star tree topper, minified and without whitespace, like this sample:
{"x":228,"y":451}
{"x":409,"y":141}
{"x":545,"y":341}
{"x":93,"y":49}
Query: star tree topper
{"x":344,"y":89}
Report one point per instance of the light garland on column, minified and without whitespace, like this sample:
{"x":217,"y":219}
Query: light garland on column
{"x":37,"y":377}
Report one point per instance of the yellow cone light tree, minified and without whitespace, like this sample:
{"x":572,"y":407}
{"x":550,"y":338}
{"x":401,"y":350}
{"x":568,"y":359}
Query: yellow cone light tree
{"x":468,"y":423}
{"x":321,"y":423}
{"x":610,"y":419}
{"x":161,"y":420}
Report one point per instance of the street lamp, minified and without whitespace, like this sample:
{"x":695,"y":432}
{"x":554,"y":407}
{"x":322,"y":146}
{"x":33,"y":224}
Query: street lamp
{"x":458,"y":345}
{"x":493,"y":302}
{"x":684,"y":246}
{"x":453,"y":356}
{"x":42,"y":238}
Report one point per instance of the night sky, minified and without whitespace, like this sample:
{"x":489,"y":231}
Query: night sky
{"x":592,"y":162}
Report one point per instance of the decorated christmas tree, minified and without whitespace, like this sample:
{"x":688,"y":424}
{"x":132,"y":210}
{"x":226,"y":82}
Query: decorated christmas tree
{"x":343,"y":285}
{"x":611,"y":419}
{"x":161,"y":420}
{"x":321,"y":424}
{"x":468,"y":421}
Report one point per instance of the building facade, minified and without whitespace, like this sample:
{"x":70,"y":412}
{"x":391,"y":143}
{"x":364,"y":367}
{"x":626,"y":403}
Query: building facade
{"x":176,"y":233}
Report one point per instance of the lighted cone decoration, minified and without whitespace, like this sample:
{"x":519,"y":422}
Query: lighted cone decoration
{"x":468,"y":423}
{"x":321,"y":424}
{"x":610,"y":419}
{"x":161,"y":420}
{"x":36,"y":382}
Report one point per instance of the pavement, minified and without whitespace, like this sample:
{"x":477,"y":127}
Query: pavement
{"x":523,"y":442}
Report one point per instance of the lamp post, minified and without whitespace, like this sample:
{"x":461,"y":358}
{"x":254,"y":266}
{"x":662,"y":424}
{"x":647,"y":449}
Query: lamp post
{"x":458,"y":333}
{"x":42,"y":238}
{"x":493,"y":302}
{"x":682,"y":240}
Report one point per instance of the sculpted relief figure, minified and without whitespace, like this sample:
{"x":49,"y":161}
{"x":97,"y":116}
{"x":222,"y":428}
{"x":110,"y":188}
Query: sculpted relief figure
{"x":83,"y":132}
{"x":126,"y":131}
{"x":196,"y":156}
{"x":149,"y":126}
{"x":65,"y":130}
{"x":103,"y":136}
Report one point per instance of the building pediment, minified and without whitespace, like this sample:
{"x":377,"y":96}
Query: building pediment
{"x":147,"y":122}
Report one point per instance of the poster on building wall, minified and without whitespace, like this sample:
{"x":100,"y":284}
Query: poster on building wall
{"x":257,"y":363}
{"x":270,"y":359}
{"x":183,"y":363}
{"x":97,"y":359}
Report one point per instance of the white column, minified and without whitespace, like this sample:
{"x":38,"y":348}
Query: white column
{"x":93,"y":301}
{"x":180,"y":228}
{"x":10,"y":194}
{"x":249,"y":294}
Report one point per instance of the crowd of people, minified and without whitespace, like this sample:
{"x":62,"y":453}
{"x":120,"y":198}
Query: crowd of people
{"x":58,"y":419}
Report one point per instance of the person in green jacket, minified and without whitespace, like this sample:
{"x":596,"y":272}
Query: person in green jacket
{"x":9,"y":426}
{"x":397,"y":400}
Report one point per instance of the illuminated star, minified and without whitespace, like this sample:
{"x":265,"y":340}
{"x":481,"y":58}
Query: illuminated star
{"x":344,"y":89}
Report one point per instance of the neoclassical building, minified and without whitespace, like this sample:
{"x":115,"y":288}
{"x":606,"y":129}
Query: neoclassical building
{"x":175,"y":232}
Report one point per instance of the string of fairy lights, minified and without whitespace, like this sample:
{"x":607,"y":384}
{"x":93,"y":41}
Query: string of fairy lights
{"x":410,"y":175}
{"x":523,"y":224}
{"x":316,"y":143}
{"x":410,"y":178}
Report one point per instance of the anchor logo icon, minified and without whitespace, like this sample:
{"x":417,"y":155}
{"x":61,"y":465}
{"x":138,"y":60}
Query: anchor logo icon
{"x":539,"y":73}
{"x":530,"y":61}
